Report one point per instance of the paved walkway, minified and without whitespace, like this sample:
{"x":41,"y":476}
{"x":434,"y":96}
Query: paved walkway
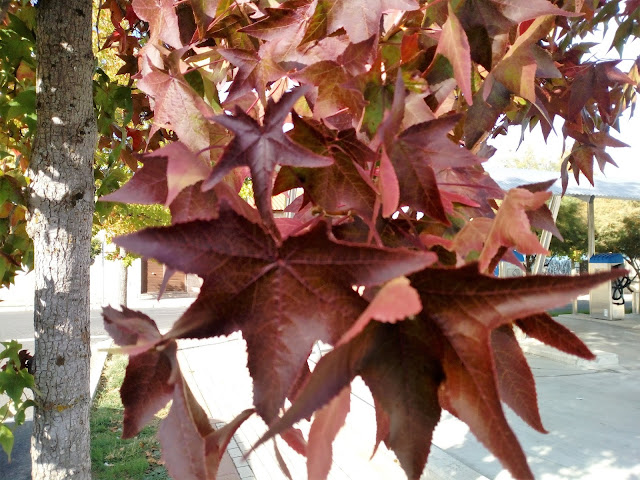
{"x":591,"y":411}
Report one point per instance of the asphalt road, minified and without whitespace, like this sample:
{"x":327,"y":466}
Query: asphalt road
{"x":19,"y":325}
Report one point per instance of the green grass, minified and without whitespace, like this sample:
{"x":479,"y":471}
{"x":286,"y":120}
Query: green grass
{"x":114,"y":458}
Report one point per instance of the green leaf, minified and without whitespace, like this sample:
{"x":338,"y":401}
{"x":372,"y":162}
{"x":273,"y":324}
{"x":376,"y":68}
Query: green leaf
{"x":6,"y":439}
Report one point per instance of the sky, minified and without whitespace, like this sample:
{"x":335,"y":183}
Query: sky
{"x":628,"y":159}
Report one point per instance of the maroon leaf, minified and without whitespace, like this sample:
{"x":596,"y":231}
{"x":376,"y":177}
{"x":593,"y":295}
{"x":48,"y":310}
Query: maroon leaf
{"x":191,"y":448}
{"x":361,"y":18}
{"x":326,"y":424}
{"x":334,"y":94}
{"x":454,"y":45}
{"x":515,"y":381}
{"x":416,"y":153}
{"x":395,"y":301}
{"x":254,"y":71}
{"x":341,"y":187}
{"x":399,"y":364}
{"x":162,"y":18}
{"x":261,"y":148}
{"x":542,"y":327}
{"x":133,"y":330}
{"x":268,"y":291}
{"x":178,"y":107}
{"x":470,"y":390}
{"x":511,"y":227}
{"x":147,"y":387}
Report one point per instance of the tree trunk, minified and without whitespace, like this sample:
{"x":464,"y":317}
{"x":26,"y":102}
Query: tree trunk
{"x":124,"y":278}
{"x":61,"y":206}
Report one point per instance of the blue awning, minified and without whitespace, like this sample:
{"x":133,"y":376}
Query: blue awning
{"x":613,"y":258}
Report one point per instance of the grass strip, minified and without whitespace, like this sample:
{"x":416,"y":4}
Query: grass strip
{"x":114,"y":458}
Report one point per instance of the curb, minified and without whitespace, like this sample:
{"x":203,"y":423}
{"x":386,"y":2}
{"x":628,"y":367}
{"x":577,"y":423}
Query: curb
{"x":98,"y":358}
{"x":443,"y":466}
{"x":539,"y":349}
{"x":631,"y":321}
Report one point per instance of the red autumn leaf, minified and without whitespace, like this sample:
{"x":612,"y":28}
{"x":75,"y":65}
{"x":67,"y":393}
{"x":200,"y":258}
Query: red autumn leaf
{"x":284,"y":27}
{"x":454,"y":45}
{"x":262,"y":148}
{"x":420,"y":151}
{"x":515,"y":381}
{"x":395,"y":301}
{"x":361,"y":18}
{"x":399,"y":363}
{"x":162,"y":18}
{"x":194,"y":204}
{"x":340,"y":187}
{"x":471,"y":387}
{"x":334,"y":94}
{"x":267,"y":291}
{"x":191,"y":448}
{"x":447,"y":352}
{"x":542,"y":217}
{"x":130,"y":329}
{"x":165,"y":173}
{"x":147,"y":386}
{"x":511,"y":227}
{"x":204,"y":11}
{"x":388,"y":185}
{"x":254,"y":71}
{"x":178,"y":107}
{"x":327,"y":422}
{"x":542,"y":327}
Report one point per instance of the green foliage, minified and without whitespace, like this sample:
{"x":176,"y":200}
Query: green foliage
{"x":572,"y":224}
{"x":15,"y":383}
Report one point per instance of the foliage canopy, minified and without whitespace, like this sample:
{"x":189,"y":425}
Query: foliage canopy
{"x":387,"y":104}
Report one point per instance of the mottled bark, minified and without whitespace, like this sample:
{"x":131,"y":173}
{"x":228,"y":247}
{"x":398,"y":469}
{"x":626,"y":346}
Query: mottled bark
{"x":124,"y":278}
{"x":61,"y":207}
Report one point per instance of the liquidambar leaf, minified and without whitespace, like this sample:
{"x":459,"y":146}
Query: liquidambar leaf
{"x":445,"y":358}
{"x":395,"y":301}
{"x":326,"y":424}
{"x":282,"y":297}
{"x":511,"y":227}
{"x":261,"y":148}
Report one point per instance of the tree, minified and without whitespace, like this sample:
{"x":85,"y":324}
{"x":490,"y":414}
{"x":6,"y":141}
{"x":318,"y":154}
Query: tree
{"x":60,"y":209}
{"x":572,"y":224}
{"x":625,"y":238}
{"x":380,"y":111}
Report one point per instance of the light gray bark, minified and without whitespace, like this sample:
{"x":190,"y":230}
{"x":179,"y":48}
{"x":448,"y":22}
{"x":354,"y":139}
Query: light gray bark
{"x":61,"y":207}
{"x":124,"y":278}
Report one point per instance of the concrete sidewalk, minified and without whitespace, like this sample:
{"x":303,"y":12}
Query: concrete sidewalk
{"x":592,"y":413}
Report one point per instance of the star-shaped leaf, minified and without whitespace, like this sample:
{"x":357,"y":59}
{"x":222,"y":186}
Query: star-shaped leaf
{"x":261,"y":148}
{"x":471,"y":387}
{"x":448,"y":357}
{"x":400,"y":364}
{"x":283,"y":298}
{"x":334,"y":95}
{"x":179,"y":108}
{"x":255,"y":71}
{"x":340,"y":187}
{"x":512,"y":228}
{"x":361,"y":18}
{"x":454,"y":45}
{"x":162,"y":18}
{"x":416,"y":155}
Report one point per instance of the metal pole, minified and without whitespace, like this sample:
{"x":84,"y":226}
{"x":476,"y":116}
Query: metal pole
{"x":545,"y":237}
{"x":591,"y":243}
